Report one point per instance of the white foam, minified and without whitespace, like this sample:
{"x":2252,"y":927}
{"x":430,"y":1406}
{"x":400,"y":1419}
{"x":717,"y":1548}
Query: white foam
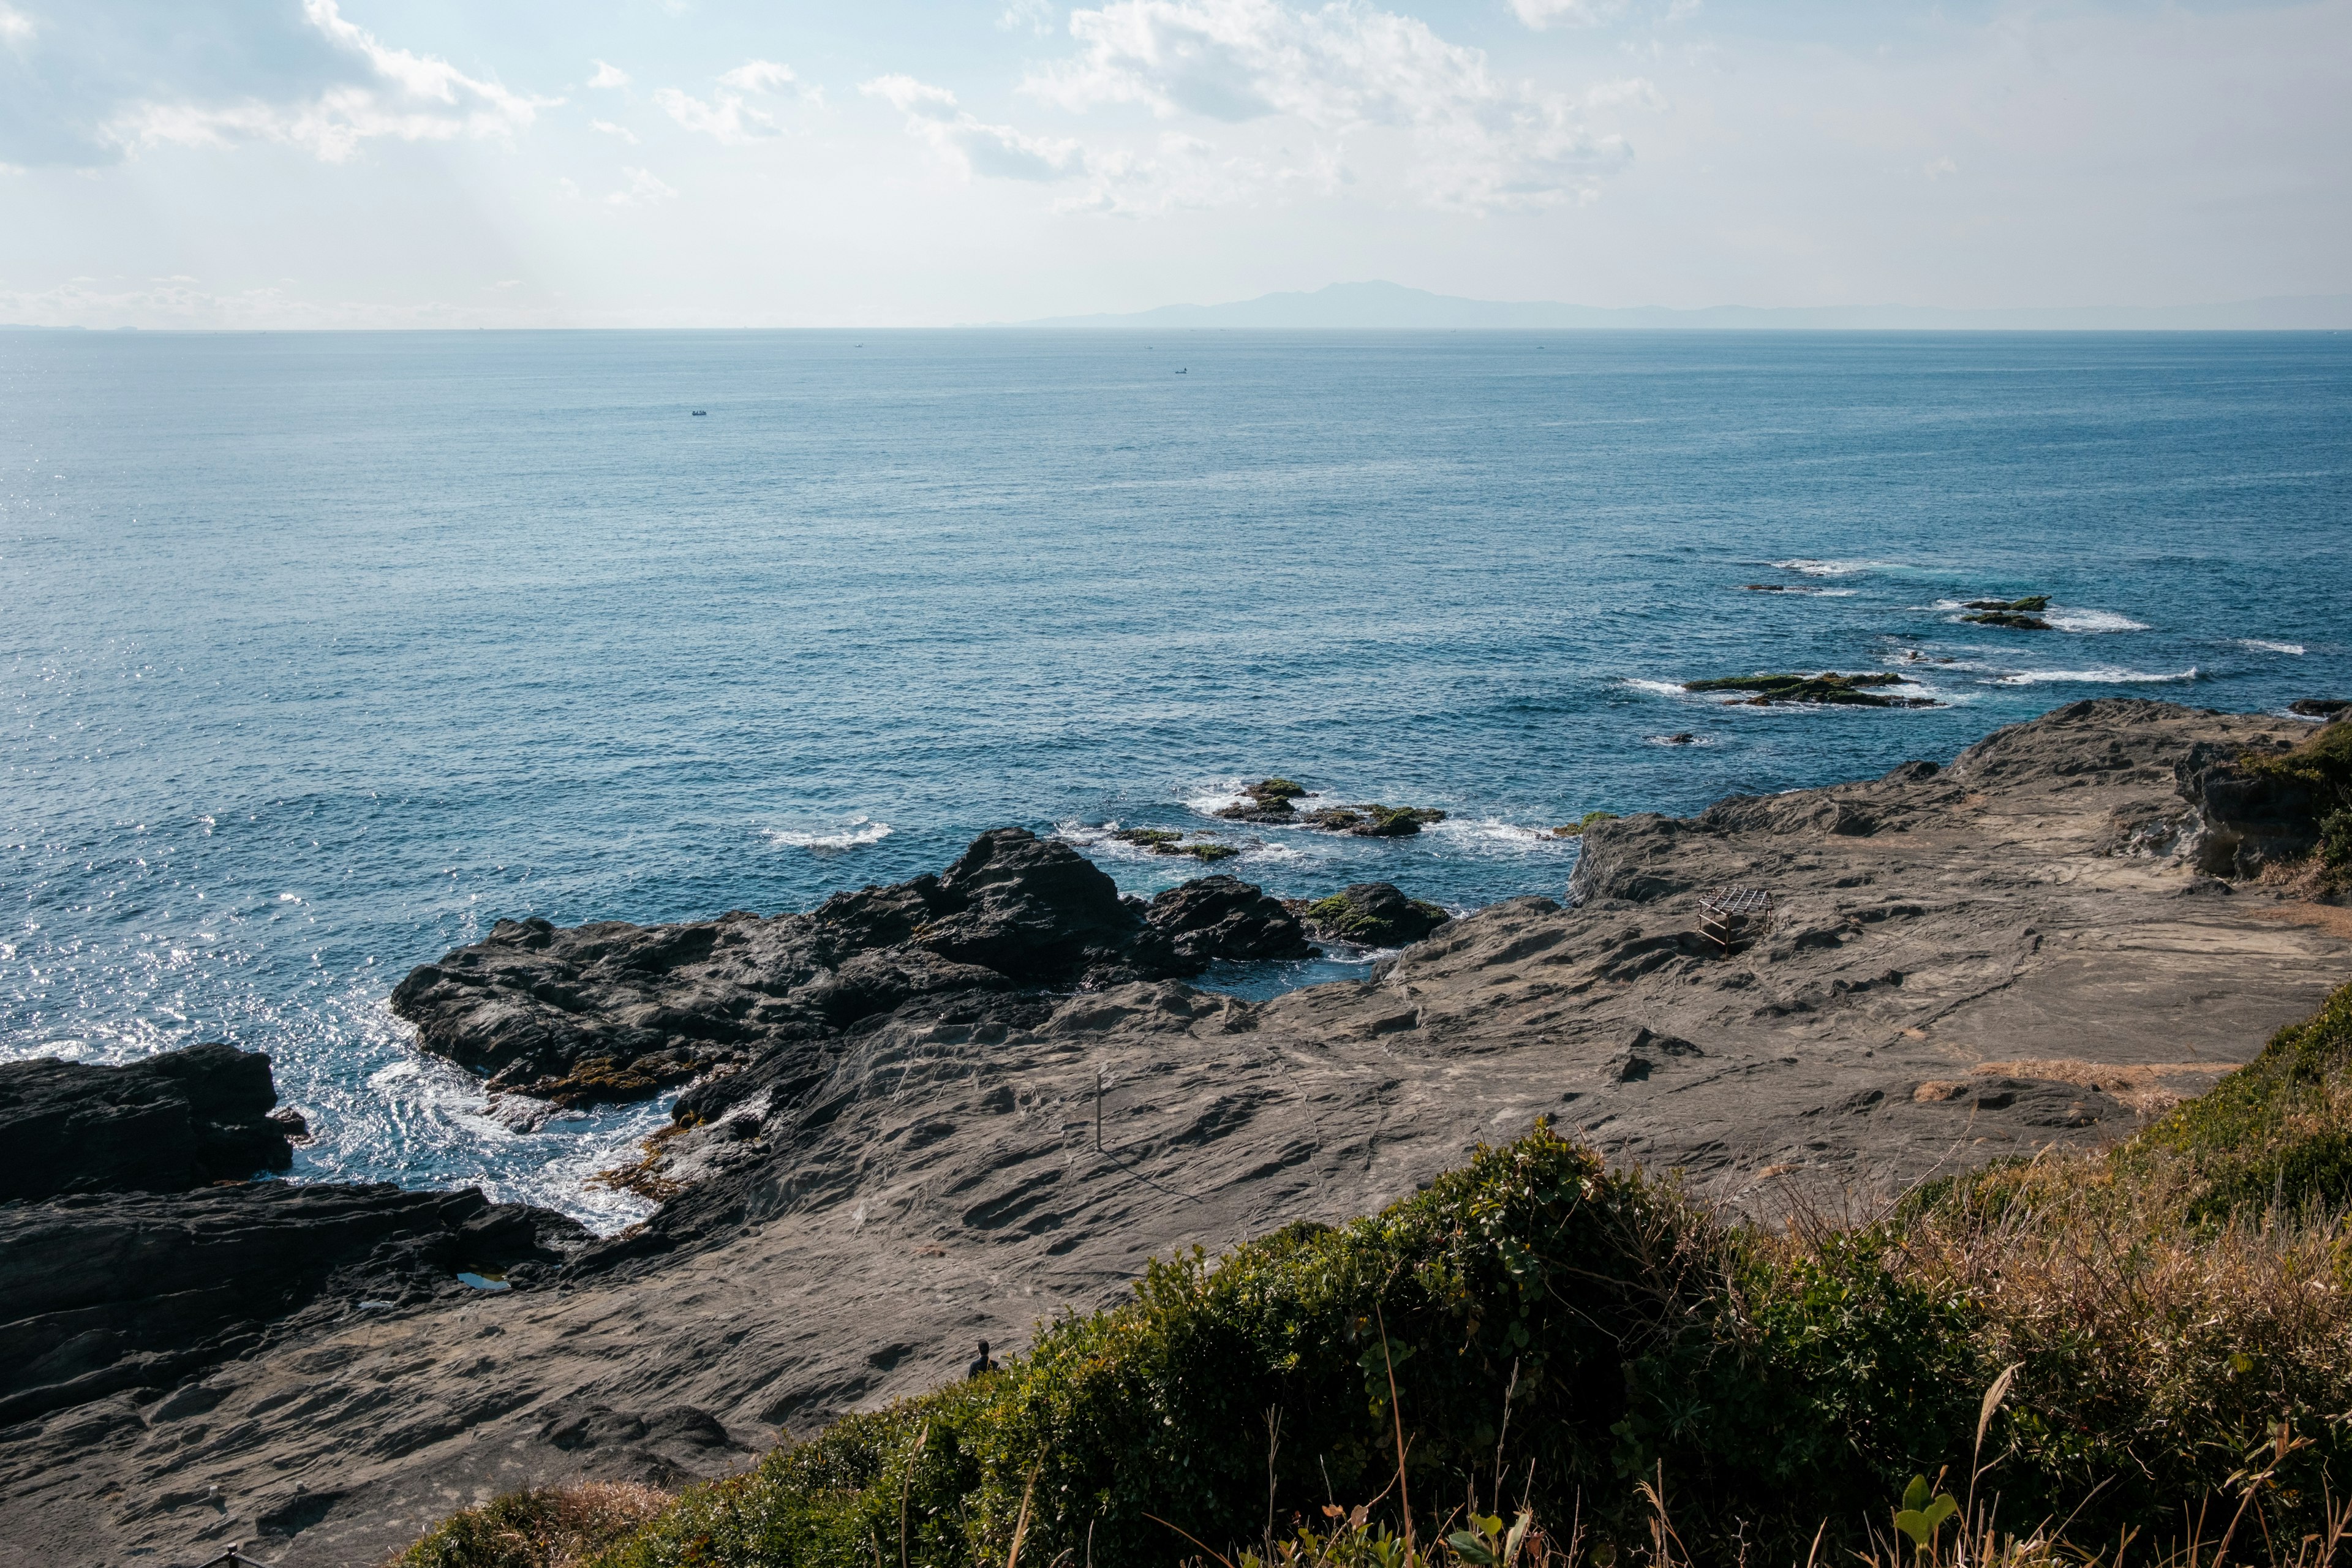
{"x":1825,"y":568}
{"x":861,"y":831}
{"x":1489,"y":833}
{"x":2091,"y":621}
{"x":1664,"y":687}
{"x":2258,"y":644}
{"x":2106,"y":676}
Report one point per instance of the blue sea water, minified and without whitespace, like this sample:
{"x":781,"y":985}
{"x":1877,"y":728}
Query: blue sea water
{"x":322,"y":652}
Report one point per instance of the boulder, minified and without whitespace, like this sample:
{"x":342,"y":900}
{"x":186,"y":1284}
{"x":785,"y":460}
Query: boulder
{"x":1374,"y":914}
{"x":174,"y":1122}
{"x":1217,"y":917}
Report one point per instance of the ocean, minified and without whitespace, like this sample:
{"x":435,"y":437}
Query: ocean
{"x":322,"y":652}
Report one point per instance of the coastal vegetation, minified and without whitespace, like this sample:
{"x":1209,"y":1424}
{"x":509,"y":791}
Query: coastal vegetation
{"x":2144,"y":1349}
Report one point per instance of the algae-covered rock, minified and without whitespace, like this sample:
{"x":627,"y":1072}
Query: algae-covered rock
{"x":1575,"y":829}
{"x":1168,"y":841}
{"x":2026,"y":606}
{"x":1373,"y":914}
{"x":1827,"y":687}
{"x":2009,"y":619}
{"x":1374,"y":820}
{"x":1268,"y":800}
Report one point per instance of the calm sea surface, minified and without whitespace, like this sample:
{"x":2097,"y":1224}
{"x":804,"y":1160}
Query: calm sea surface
{"x":318,"y":653}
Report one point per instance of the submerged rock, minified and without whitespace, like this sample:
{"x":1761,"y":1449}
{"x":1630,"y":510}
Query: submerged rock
{"x":174,"y":1122}
{"x":1827,"y":687}
{"x":1374,"y":820}
{"x":1374,"y":914}
{"x":1168,"y":841}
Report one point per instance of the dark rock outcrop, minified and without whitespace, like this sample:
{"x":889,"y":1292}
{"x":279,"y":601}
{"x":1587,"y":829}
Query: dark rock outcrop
{"x":1217,"y":917}
{"x":1374,"y":914}
{"x":1829,"y":688}
{"x":104,"y":1292}
{"x":610,"y":1012}
{"x":2320,"y":707}
{"x":174,"y":1122}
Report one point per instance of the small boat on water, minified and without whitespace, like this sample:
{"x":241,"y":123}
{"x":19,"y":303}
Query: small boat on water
{"x":702,"y":414}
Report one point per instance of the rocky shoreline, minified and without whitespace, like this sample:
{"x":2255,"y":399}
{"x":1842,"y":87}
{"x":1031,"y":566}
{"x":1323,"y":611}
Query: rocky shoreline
{"x":887,"y":1145}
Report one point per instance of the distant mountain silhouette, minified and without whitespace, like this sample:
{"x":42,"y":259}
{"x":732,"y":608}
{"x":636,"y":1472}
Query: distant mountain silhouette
{"x":1377,"y":306}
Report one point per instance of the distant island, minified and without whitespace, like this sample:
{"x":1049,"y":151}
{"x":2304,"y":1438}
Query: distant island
{"x":1379,"y":306}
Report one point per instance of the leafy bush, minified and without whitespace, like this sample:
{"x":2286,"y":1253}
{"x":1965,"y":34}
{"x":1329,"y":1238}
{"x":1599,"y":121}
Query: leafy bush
{"x":551,"y":1527}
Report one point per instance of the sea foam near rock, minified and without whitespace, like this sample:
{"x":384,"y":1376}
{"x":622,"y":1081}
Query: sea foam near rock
{"x":860,"y":832}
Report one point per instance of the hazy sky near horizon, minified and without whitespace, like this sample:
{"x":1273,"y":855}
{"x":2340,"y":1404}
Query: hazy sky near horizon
{"x":647,"y":162}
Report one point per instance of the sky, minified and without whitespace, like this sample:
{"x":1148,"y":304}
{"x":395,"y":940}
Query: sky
{"x":288,"y":163}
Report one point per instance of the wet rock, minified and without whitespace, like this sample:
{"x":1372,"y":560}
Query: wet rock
{"x":2026,"y":606}
{"x":2013,"y":621}
{"x":1168,"y":841}
{"x":1374,"y":914}
{"x":2319,"y":707}
{"x":1268,"y":800}
{"x":174,"y":1122}
{"x":1374,"y":820}
{"x":1827,"y":688}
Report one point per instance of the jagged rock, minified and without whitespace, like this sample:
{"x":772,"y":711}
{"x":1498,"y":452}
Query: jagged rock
{"x":2030,"y":606}
{"x":1218,"y":917}
{"x":1374,"y":914}
{"x":2013,"y":621}
{"x":2319,"y":707}
{"x":609,"y":1012}
{"x":173,"y":1121}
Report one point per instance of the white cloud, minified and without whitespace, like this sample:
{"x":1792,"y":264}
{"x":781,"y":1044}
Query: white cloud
{"x":759,"y":76}
{"x":1940,"y":168}
{"x":999,"y":151}
{"x":728,"y":115}
{"x":1344,"y":71}
{"x":1542,"y":14}
{"x":644,"y":186}
{"x":1032,"y":15}
{"x":610,"y":129}
{"x":405,"y":96}
{"x":608,"y":75}
{"x":15,"y":27}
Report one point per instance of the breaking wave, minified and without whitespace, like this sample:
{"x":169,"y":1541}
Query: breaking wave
{"x":2262,"y":647}
{"x":861,"y":831}
{"x":2105,"y":676}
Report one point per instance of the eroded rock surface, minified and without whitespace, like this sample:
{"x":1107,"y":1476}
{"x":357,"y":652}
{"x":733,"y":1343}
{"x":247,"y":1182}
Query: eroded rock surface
{"x":2020,"y":949}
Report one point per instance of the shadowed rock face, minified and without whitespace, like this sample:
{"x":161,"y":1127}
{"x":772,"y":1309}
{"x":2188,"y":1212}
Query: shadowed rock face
{"x":170,"y":1122}
{"x":612,"y":1011}
{"x":103,"y":1293}
{"x":114,"y":1274}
